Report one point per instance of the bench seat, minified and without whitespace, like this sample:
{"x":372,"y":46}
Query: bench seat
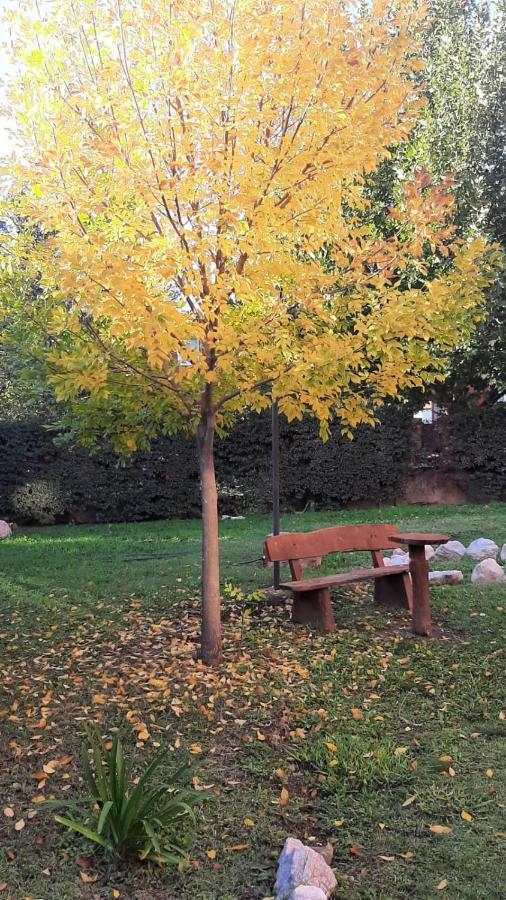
{"x":326,"y":581}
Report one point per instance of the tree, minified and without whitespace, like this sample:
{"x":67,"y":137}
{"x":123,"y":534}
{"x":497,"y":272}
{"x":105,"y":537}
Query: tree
{"x":199,"y":169}
{"x":464,"y":131}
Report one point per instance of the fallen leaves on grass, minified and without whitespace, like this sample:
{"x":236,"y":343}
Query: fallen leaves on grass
{"x":442,"y":885}
{"x":466,"y":816}
{"x":440,"y":829}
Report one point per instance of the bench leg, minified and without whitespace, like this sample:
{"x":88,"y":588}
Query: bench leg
{"x":314,"y":608}
{"x":419,"y":568}
{"x":394,"y":590}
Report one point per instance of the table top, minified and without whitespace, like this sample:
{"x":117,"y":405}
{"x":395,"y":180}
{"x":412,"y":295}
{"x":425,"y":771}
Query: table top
{"x":416,"y":537}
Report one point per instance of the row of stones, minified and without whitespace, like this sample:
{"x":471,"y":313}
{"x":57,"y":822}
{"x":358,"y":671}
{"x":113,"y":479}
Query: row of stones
{"x":482,"y":550}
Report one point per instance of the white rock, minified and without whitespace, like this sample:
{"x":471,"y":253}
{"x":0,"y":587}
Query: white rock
{"x":402,"y":559}
{"x":5,"y":530}
{"x":503,"y":553}
{"x":398,"y":552}
{"x":308,"y":892}
{"x":429,"y":552}
{"x":302,"y":866}
{"x":451,"y":550}
{"x":482,"y":548}
{"x":488,"y":571}
{"x":452,"y":576}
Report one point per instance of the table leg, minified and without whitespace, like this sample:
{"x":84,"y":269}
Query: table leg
{"x":419,"y":568}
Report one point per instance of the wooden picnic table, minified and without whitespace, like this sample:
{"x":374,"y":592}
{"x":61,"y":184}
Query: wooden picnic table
{"x":419,"y":571}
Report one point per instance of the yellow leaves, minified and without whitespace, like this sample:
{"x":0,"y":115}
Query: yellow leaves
{"x":20,"y":824}
{"x":260,"y":736}
{"x":195,"y":749}
{"x":467,"y":817}
{"x":249,"y":823}
{"x":489,"y":773}
{"x":283,"y":797}
{"x":211,"y":854}
{"x":357,"y":714}
{"x":442,"y":885}
{"x":9,"y":812}
{"x":440,"y":829}
{"x":330,"y":746}
{"x":409,"y":800}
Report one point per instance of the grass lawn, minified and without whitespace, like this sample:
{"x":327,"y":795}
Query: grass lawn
{"x":374,"y":735}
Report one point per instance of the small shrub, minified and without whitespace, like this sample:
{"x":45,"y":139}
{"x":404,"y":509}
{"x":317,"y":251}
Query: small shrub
{"x":38,"y":501}
{"x":133,"y":818}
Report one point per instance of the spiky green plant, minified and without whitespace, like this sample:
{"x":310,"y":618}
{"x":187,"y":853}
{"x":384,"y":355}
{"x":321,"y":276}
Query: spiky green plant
{"x":132,"y":817}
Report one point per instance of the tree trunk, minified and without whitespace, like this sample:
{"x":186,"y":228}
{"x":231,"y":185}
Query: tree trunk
{"x":211,"y":604}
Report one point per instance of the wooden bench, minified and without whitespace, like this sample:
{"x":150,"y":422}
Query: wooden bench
{"x":312,"y":603}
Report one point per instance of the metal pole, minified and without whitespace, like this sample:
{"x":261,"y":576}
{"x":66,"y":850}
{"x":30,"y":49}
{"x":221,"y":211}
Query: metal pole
{"x":275,"y":485}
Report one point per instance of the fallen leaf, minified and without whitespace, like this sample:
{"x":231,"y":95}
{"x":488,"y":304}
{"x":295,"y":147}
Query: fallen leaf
{"x":357,"y":713}
{"x":387,"y":858}
{"x":3,"y":886}
{"x":88,"y":879}
{"x":116,"y":893}
{"x":260,"y":736}
{"x":9,"y":812}
{"x":330,"y":746}
{"x":409,"y":800}
{"x":381,"y":826}
{"x":20,"y":824}
{"x":442,"y":885}
{"x":440,"y":829}
{"x":249,"y":823}
{"x":407,"y":855}
{"x":500,"y":834}
{"x":236,"y":848}
{"x":211,"y":854}
{"x":31,"y":814}
{"x":195,"y":748}
{"x":144,"y":735}
{"x":489,"y":773}
{"x":46,"y":872}
{"x":283,"y":797}
{"x":466,"y":816}
{"x":446,"y":759}
{"x":356,"y":852}
{"x":339,"y":822}
{"x":279,"y":773}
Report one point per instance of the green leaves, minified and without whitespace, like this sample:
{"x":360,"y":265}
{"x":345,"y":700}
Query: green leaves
{"x":133,"y":819}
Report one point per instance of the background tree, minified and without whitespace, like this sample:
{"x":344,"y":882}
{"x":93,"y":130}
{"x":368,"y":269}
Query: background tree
{"x":463,"y":131}
{"x":200,"y":169}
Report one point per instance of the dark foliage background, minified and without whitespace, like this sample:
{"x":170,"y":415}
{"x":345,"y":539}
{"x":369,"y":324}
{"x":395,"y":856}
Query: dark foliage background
{"x":43,"y":482}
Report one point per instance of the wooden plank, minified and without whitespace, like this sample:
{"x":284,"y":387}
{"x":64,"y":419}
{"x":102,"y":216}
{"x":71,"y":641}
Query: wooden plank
{"x":415,"y":537}
{"x":315,"y":584}
{"x":338,"y":539}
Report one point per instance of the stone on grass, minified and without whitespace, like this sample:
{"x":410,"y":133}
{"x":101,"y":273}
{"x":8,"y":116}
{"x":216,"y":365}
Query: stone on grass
{"x":307,"y":892}
{"x":488,"y":571}
{"x":401,"y":559}
{"x":452,"y":576}
{"x":482,"y":548}
{"x":5,"y":530}
{"x":503,"y":553}
{"x":452,"y":550}
{"x":302,"y":866}
{"x":429,"y":552}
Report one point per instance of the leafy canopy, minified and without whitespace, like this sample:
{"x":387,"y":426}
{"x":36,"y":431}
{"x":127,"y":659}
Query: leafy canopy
{"x":200,"y":173}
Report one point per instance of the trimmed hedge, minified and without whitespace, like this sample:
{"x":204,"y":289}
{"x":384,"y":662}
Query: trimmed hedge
{"x":43,"y":483}
{"x":475,"y":442}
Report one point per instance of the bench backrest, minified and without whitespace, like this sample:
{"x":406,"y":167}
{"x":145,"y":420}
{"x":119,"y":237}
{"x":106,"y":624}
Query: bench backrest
{"x":296,"y":545}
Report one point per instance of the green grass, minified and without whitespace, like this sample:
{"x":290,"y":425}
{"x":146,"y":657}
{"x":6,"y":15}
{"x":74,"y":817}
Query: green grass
{"x":102,"y":623}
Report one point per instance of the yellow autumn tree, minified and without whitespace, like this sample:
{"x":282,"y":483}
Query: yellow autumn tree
{"x":199,"y":170}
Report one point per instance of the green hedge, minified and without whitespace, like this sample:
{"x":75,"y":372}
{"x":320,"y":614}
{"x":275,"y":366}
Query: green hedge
{"x":476,"y":443}
{"x":42,"y":482}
